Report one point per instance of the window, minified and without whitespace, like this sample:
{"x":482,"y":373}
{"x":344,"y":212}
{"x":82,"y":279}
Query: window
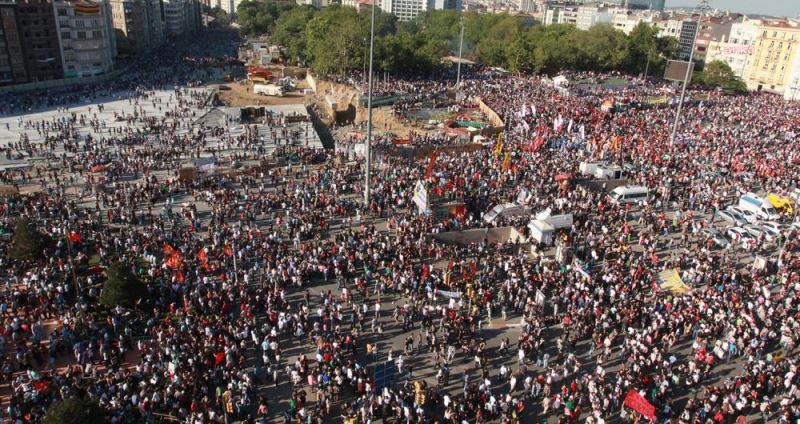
{"x":81,"y":35}
{"x":66,"y":35}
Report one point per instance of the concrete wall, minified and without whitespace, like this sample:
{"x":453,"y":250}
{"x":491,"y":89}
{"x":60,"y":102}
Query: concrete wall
{"x":60,"y":83}
{"x":477,"y":235}
{"x":494,"y":118}
{"x":312,"y":82}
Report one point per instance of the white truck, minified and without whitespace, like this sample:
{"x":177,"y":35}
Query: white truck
{"x":760,"y":206}
{"x":601,"y":170}
{"x":269,"y":90}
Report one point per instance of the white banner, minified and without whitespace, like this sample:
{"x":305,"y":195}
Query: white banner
{"x":450,"y":294}
{"x":420,"y":197}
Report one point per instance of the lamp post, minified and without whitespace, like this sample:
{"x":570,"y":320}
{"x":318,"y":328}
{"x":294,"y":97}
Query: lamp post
{"x":460,"y":50}
{"x":369,"y":110}
{"x":689,"y":68}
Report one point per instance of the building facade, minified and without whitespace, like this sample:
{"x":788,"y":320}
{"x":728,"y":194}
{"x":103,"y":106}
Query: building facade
{"x":737,"y":48}
{"x":645,"y":4}
{"x":137,"y":25}
{"x":12,"y":59}
{"x":39,"y":40}
{"x":589,"y":16}
{"x":86,"y":38}
{"x":773,"y":66}
{"x":560,"y":14}
{"x":408,"y":10}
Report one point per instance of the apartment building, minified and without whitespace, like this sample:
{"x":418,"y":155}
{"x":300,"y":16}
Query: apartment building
{"x":737,"y":48}
{"x":589,"y":16}
{"x":39,"y":39}
{"x":12,"y":59}
{"x":137,"y":25}
{"x":407,"y":10}
{"x":86,"y":38}
{"x":774,"y":61}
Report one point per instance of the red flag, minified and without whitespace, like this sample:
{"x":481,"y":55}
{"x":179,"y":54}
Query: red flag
{"x":219,"y":358}
{"x":180,"y":277}
{"x":227,"y":250}
{"x":431,"y":163}
{"x":74,"y":237}
{"x":202,"y":256}
{"x":41,"y":385}
{"x":639,"y":404}
{"x":175,"y":261}
{"x":168,"y":250}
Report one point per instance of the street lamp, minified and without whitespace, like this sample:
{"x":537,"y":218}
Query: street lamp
{"x":460,"y":50}
{"x":689,"y":68}
{"x":369,"y":110}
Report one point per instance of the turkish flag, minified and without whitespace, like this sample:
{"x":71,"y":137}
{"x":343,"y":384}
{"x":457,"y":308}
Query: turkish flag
{"x":74,"y":237}
{"x":41,"y":385}
{"x":219,"y":358}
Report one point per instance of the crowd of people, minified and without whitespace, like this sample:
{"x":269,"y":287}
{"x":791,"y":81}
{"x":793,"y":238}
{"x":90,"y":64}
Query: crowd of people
{"x":276,"y":293}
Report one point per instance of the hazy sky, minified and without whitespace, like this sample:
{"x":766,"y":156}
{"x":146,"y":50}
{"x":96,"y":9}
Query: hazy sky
{"x":789,"y":8}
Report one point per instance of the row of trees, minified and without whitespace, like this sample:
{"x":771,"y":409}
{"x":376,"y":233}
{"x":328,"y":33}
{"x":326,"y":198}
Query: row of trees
{"x":336,"y":39}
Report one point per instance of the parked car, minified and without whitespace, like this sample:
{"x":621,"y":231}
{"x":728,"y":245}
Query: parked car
{"x":733,"y":216}
{"x":748,"y":215}
{"x":739,"y":236}
{"x":729,"y":217}
{"x":718,"y":239}
{"x":770,"y":232}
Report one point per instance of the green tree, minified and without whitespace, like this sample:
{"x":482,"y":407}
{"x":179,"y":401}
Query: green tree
{"x":258,"y":17}
{"x":719,"y":74}
{"x":491,"y":48}
{"x":76,"y":410}
{"x":220,"y":16}
{"x":290,"y":32}
{"x":334,"y":42}
{"x":122,"y":287}
{"x":602,"y":48}
{"x":28,"y":243}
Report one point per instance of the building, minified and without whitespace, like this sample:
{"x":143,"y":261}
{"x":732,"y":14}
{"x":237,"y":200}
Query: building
{"x":359,"y":5}
{"x":644,"y":4}
{"x":792,"y":90}
{"x":407,"y":10}
{"x":181,"y":17}
{"x":737,"y":48}
{"x":137,"y":25}
{"x":229,"y":6}
{"x":316,"y":3}
{"x":560,"y":14}
{"x":12,"y":59}
{"x":589,"y":16}
{"x":39,"y":40}
{"x":712,"y":29}
{"x":686,"y":38}
{"x":774,"y":61}
{"x":626,"y":20}
{"x":86,"y":37}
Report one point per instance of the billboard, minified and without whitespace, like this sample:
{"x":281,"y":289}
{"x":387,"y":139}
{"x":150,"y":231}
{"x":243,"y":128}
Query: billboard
{"x":676,"y":70}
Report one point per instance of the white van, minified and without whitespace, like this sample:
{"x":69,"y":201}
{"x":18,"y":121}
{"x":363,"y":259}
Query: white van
{"x":761,"y":207}
{"x":628,"y":194}
{"x":269,"y":90}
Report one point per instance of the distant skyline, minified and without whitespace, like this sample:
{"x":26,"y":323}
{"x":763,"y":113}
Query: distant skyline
{"x":790,"y":8}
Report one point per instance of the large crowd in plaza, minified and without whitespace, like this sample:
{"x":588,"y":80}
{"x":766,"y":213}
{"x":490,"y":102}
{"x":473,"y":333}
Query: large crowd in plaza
{"x":240,"y":317}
